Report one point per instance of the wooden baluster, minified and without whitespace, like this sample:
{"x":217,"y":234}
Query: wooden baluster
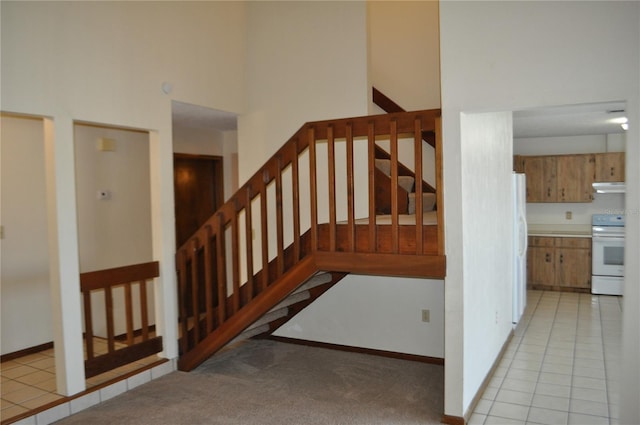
{"x":371,"y":149}
{"x":314,"y":189}
{"x":417,"y":141}
{"x":395,"y":243}
{"x":295,"y":187}
{"x":88,"y":323}
{"x":351,"y":228}
{"x":195,"y":281}
{"x":332,"y":188}
{"x":265,"y":235}
{"x":249,"y":244}
{"x":108,"y":302}
{"x":128,"y":303}
{"x":144,"y":311}
{"x":235,"y":261}
{"x":208,"y":277}
{"x":279,"y":219}
{"x":221,"y":266}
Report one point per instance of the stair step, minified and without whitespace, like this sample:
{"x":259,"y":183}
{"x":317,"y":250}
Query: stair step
{"x":384,"y":165}
{"x":428,"y":202}
{"x":405,"y":182}
{"x":316,"y":280}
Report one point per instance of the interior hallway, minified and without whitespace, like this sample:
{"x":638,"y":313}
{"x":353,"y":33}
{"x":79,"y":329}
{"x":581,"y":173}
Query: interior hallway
{"x":562,"y":365}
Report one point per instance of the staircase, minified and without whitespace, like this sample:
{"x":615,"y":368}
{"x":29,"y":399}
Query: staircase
{"x":299,"y":225}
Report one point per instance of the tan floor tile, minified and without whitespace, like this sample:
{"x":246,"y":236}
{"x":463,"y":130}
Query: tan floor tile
{"x":12,"y":386}
{"x":13,"y":411}
{"x":44,"y":363}
{"x":41,"y":401}
{"x":20,"y":396}
{"x":30,"y":358}
{"x":18,"y":371}
{"x":36,"y":377}
{"x":48,"y":385}
{"x":4,"y":366}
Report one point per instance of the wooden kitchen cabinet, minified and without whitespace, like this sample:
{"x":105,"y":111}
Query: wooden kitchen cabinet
{"x":559,"y":264}
{"x":540,"y":172}
{"x":609,"y":167}
{"x":575,"y":178}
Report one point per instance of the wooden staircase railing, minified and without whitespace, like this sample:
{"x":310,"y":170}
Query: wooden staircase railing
{"x":311,"y":207}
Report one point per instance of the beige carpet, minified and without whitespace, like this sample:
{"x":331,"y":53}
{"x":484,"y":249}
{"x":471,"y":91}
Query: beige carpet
{"x":268,"y":382}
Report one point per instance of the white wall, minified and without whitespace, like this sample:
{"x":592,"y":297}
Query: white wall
{"x":404,"y":52}
{"x":494,"y":57}
{"x":57,"y":62}
{"x":487,"y":214}
{"x":386,"y":316}
{"x":24,"y":278}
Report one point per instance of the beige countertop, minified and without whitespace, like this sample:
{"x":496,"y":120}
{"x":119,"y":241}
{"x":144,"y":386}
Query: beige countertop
{"x":560,"y":230}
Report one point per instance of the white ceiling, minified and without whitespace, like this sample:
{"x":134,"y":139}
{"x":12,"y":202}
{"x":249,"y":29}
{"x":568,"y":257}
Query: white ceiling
{"x":193,"y":116}
{"x":569,"y":120}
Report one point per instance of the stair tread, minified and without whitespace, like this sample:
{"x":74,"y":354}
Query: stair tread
{"x":428,"y":202}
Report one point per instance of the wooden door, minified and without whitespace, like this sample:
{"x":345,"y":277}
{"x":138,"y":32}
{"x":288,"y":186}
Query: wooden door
{"x":199,"y":192}
{"x":541,"y":178}
{"x":575,"y":178}
{"x":609,"y":167}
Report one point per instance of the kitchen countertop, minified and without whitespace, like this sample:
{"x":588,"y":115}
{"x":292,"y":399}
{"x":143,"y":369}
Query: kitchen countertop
{"x":560,"y":230}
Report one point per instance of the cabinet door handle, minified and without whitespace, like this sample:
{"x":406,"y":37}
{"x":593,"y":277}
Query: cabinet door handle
{"x":548,"y":192}
{"x":547,"y":258}
{"x":561,"y":258}
{"x":563,"y":192}
{"x":612,"y":171}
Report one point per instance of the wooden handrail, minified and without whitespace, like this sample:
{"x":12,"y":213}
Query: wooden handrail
{"x":106,"y":281}
{"x":214,"y":290}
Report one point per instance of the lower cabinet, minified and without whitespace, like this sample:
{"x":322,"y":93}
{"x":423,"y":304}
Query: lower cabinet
{"x":559,"y":264}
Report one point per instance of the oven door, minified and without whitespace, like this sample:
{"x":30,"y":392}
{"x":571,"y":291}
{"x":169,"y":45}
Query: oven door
{"x":608,"y":255}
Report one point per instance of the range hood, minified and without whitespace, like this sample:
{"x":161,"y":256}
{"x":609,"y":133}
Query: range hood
{"x":609,"y":187}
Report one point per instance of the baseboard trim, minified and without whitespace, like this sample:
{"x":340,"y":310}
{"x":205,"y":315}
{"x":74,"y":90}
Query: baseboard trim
{"x":25,"y":352}
{"x":485,"y":381}
{"x":372,"y":351}
{"x":452,"y":420}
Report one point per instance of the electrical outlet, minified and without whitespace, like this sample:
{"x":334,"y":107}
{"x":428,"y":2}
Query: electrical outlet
{"x":426,"y":315}
{"x":568,"y":215}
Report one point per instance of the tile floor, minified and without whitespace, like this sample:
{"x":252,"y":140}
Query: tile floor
{"x":29,"y":382}
{"x":561,"y":366}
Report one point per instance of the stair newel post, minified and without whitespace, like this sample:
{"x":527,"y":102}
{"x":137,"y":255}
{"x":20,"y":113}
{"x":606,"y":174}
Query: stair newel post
{"x":295,"y":187}
{"x":221,"y":264}
{"x":195,"y":281}
{"x":314,"y":189}
{"x":264,"y":231}
{"x":208,"y":277}
{"x":249,"y":242}
{"x":331,"y":153}
{"x":371,"y":150}
{"x":182,"y":294}
{"x":235,"y":257}
{"x":351,"y":228}
{"x":417,"y":141}
{"x":393,"y":130}
{"x":279,"y":218}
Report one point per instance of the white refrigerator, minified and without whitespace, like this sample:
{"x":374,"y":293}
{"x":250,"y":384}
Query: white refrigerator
{"x":519,"y":185}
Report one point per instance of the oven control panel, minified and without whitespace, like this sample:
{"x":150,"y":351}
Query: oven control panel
{"x":607,"y":220}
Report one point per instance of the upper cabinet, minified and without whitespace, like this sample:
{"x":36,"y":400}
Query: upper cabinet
{"x":609,"y":167}
{"x":568,"y":178}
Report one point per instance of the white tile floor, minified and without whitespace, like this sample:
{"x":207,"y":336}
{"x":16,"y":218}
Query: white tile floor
{"x":561,"y":366}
